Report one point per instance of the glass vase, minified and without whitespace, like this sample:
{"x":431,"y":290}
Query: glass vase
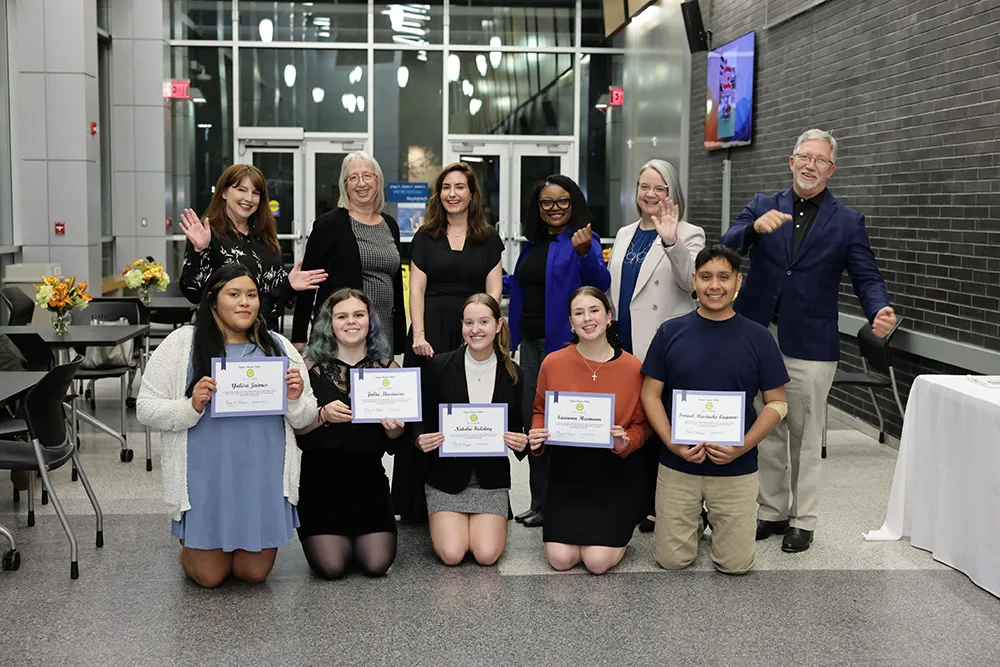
{"x":146,"y":295}
{"x":61,"y":320}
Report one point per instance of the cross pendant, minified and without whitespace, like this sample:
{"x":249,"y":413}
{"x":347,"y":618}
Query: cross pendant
{"x":594,"y":377}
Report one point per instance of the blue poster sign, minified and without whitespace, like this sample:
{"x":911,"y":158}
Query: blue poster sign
{"x":413,"y":193}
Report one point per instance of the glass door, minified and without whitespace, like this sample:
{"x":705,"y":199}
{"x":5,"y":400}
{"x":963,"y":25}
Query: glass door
{"x":282,"y":169}
{"x":491,"y":163}
{"x":323,"y":161}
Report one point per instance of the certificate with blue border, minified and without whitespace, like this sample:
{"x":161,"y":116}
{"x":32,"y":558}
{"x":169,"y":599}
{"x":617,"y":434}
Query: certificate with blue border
{"x":580,"y":419}
{"x":708,"y":416}
{"x":385,"y":393}
{"x":251,"y":387}
{"x":473,"y":429}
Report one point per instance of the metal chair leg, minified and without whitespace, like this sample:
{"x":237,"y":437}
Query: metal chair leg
{"x":93,"y":395}
{"x":31,"y":498}
{"x":878,"y":413}
{"x":93,"y":499}
{"x":74,"y":568}
{"x":826,"y":426}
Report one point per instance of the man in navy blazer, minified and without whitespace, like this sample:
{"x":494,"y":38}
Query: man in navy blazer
{"x":800,"y":241}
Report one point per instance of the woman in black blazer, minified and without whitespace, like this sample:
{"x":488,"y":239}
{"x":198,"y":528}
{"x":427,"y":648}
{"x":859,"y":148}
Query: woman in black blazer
{"x":468,"y":498}
{"x":358,"y":246}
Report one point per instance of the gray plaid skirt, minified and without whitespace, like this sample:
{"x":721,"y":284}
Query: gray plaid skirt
{"x":471,"y":500}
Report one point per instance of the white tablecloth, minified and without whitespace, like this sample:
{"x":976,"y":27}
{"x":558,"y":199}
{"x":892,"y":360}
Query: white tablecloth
{"x":946,"y":488}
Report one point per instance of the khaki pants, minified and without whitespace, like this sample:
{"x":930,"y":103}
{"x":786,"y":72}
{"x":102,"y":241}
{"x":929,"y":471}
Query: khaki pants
{"x":791,"y":455}
{"x":732,"y":509}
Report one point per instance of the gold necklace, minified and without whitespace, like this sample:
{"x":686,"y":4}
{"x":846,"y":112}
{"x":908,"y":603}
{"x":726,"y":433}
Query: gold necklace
{"x":593,"y":371}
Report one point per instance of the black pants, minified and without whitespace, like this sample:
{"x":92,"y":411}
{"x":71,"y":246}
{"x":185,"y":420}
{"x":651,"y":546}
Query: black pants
{"x":532,"y":354}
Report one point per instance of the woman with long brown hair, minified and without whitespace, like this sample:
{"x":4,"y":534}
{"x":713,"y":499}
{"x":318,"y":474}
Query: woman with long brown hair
{"x":467,"y":497}
{"x":238,"y":226}
{"x":455,"y":254}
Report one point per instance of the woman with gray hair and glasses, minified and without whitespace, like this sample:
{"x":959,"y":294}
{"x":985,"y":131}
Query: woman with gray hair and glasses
{"x":652,"y":262}
{"x":358,"y":246}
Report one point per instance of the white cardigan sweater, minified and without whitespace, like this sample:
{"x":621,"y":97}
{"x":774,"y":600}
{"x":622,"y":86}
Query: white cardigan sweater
{"x":162,"y":405}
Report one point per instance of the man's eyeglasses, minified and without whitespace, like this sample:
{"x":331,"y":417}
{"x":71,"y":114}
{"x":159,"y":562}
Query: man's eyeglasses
{"x":658,"y":189}
{"x":550,"y":204}
{"x":818,"y":161}
{"x":367,"y":177}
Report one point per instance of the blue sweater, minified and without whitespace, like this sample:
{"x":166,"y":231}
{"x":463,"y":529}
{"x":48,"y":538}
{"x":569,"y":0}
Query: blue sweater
{"x":565,"y":272}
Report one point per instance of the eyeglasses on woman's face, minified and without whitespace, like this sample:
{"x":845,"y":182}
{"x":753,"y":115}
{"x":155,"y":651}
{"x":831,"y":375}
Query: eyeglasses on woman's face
{"x":660,"y":190}
{"x":367,"y":177}
{"x":552,"y":204}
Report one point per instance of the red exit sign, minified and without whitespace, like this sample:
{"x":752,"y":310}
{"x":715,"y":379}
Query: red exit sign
{"x":177,"y":90}
{"x":617,"y":97}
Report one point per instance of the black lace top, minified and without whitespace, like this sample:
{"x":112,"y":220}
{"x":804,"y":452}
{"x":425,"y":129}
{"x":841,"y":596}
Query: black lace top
{"x":332,"y":382}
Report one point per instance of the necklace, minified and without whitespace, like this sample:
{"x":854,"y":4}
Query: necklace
{"x":245,"y":346}
{"x":487,"y":366}
{"x":593,"y":371}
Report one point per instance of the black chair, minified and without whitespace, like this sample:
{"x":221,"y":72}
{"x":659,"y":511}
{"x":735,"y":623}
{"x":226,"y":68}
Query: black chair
{"x":50,"y":447}
{"x":39,"y":357}
{"x":876,"y":356}
{"x":111,"y":311}
{"x":20,"y":306}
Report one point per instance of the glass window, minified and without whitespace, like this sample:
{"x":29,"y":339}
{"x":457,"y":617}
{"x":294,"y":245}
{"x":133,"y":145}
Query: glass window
{"x":6,"y":188}
{"x":592,"y":27}
{"x":104,"y":15}
{"x":318,"y":90}
{"x":511,"y":93}
{"x":408,"y":105}
{"x":409,"y":23}
{"x":520,"y":23}
{"x":342,"y":21}
{"x":200,"y":145}
{"x":198,"y":19}
{"x":108,"y":267}
{"x":602,"y":136}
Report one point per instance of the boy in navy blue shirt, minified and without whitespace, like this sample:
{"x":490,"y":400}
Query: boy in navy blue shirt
{"x":711,"y":349}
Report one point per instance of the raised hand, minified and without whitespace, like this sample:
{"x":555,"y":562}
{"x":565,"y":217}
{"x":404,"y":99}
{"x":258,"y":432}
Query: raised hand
{"x":202,"y":393}
{"x":293,"y":380}
{"x":197,"y":231}
{"x":582,"y":239}
{"x":771,"y":221}
{"x":885,"y":320}
{"x":666,"y":221}
{"x":302,"y":280}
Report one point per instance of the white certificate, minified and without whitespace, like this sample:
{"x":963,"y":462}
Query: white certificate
{"x":385,"y":393}
{"x":473,"y":429}
{"x":580,"y":419}
{"x":249,"y":387}
{"x":708,"y":416}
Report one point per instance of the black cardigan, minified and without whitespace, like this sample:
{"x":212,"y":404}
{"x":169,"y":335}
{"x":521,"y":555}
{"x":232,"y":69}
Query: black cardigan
{"x":444,"y":381}
{"x":332,"y":246}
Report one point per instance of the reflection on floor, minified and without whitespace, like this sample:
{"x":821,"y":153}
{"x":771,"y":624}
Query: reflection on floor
{"x":843,"y":602}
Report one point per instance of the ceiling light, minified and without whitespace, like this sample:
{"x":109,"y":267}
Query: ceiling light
{"x":350,"y":102}
{"x":475,"y":104}
{"x":454,"y":67}
{"x":467,"y":88}
{"x":322,"y":33}
{"x":495,"y":56}
{"x":361,"y":103}
{"x":356,"y":74}
{"x":266,"y":30}
{"x":481,"y":64}
{"x":318,"y":95}
{"x":289,"y":75}
{"x":402,"y":76}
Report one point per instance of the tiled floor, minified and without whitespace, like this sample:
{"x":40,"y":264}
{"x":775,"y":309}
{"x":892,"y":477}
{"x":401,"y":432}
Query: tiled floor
{"x":843,"y":602}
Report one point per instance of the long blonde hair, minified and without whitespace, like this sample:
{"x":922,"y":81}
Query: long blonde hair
{"x":501,"y":344}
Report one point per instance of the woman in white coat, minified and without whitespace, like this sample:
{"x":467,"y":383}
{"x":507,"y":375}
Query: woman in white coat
{"x":652,"y":262}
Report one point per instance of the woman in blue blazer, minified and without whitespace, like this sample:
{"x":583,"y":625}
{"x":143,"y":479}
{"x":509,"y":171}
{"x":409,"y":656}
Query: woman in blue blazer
{"x":561,"y":255}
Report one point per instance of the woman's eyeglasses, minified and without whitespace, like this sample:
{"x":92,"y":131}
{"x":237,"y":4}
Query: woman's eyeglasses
{"x":551,"y":204}
{"x":658,"y":189}
{"x":367,"y":177}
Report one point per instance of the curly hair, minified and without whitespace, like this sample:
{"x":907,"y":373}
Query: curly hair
{"x":322,"y":347}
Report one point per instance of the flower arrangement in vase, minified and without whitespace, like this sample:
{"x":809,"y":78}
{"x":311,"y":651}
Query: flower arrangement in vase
{"x":59,"y":296}
{"x":145,"y":274}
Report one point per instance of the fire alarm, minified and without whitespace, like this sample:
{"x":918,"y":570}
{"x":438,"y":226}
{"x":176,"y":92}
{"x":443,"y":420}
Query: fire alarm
{"x":93,"y":127}
{"x":60,"y":228}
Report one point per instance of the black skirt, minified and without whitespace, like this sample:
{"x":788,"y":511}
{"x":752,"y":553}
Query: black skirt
{"x":594,"y":497}
{"x":344,"y":493}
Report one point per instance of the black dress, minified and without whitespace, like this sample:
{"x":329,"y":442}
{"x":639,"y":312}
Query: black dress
{"x":452,"y":277}
{"x":343,"y":489}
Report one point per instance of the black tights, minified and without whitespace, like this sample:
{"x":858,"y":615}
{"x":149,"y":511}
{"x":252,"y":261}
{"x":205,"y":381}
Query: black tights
{"x":330,"y":555}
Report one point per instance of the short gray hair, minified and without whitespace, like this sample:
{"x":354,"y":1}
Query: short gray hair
{"x":669,"y":176}
{"x":370,"y":162}
{"x":810,"y":135}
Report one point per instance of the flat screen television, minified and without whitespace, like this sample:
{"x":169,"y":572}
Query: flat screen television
{"x":730,"y":94}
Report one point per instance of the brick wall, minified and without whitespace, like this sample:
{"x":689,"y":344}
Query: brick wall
{"x":910,"y":90}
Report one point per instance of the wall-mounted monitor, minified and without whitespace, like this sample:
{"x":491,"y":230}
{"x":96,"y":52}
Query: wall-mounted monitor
{"x":730,"y":94}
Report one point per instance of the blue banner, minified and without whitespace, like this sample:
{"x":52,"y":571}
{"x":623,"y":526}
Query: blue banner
{"x":413,"y":193}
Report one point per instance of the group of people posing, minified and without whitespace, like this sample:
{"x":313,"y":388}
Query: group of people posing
{"x":659,"y":316}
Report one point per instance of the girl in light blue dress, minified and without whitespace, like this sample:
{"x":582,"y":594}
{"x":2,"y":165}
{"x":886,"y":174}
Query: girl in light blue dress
{"x":231,"y":483}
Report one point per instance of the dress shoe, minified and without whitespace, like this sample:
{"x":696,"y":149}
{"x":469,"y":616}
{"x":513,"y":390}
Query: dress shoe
{"x":647,"y":525}
{"x":796,"y":540}
{"x":524,"y":515}
{"x":534,"y":520}
{"x":767,"y":528}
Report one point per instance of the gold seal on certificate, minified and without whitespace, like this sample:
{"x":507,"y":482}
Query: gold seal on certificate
{"x":708,"y":416}
{"x":472,"y":429}
{"x":385,"y":393}
{"x":249,"y":387}
{"x":580,"y":419}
